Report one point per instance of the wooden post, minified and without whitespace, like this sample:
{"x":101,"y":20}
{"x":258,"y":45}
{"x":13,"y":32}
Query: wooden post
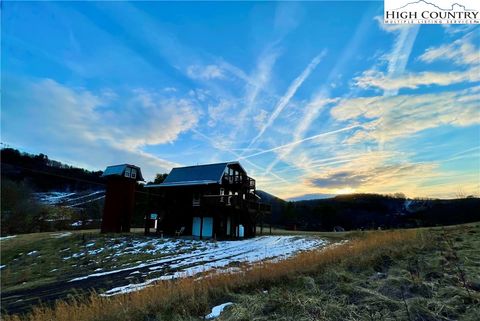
{"x":261,"y":225}
{"x":147,"y":215}
{"x":147,"y":220}
{"x":201,"y":226}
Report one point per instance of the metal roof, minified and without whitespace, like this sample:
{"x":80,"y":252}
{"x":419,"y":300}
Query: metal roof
{"x":196,"y":175}
{"x":186,"y":183}
{"x":119,"y":170}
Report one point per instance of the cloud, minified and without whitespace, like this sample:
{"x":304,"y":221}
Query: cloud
{"x":461,"y":52}
{"x":205,"y":72}
{"x":285,"y":99}
{"x":310,"y":138}
{"x":456,"y":29}
{"x":388,"y":118}
{"x":260,"y":118}
{"x":392,"y":28}
{"x":260,"y":79}
{"x":340,"y":179}
{"x":370,"y":176}
{"x":377,"y":79}
{"x":74,"y":122}
{"x":221,"y":112}
{"x":311,"y":112}
{"x":397,"y":59}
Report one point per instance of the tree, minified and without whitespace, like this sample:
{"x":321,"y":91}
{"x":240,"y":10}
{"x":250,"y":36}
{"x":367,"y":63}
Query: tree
{"x":159,"y":178}
{"x":20,"y":213}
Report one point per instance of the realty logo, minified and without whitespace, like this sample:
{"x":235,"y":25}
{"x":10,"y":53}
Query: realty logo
{"x":432,"y":11}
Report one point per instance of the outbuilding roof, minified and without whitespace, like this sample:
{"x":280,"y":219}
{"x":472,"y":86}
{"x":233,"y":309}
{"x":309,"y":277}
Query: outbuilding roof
{"x":119,"y":170}
{"x":196,"y":175}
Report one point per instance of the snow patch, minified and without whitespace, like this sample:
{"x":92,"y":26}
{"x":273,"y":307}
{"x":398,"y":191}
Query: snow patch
{"x":7,"y":237}
{"x":60,"y":235}
{"x":217,"y":256}
{"x":217,"y":310}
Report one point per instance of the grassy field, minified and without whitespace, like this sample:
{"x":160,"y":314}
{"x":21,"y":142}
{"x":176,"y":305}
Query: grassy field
{"x":40,"y":258}
{"x":35,"y":259}
{"x":425,"y":274}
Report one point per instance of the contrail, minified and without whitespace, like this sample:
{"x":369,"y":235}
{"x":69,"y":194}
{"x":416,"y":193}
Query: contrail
{"x":285,"y":99}
{"x":238,"y":156}
{"x":301,"y":141}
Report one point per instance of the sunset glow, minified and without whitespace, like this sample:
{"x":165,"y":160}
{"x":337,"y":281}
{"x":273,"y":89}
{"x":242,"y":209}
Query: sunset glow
{"x":309,"y":103}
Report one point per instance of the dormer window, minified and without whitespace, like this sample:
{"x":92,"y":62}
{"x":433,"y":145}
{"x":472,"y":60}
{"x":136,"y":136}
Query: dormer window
{"x":127,"y":172}
{"x":133,"y":173}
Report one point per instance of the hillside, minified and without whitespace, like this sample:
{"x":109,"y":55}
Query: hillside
{"x":372,"y":211}
{"x":36,"y":178}
{"x":43,"y":174}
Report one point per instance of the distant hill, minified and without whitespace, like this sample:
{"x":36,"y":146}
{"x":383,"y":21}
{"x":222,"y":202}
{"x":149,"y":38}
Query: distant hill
{"x":80,"y":188}
{"x":308,"y":197}
{"x":278,"y":206}
{"x":371,"y":211}
{"x":43,"y":174}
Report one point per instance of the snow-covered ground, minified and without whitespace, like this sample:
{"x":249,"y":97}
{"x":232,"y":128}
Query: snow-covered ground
{"x":7,"y":237}
{"x":191,"y":257}
{"x":217,"y":310}
{"x":52,"y":198}
{"x":69,"y":199}
{"x":60,"y":235}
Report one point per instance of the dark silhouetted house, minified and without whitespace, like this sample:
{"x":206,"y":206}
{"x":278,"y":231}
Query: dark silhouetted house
{"x":119,"y":197}
{"x":214,"y":200}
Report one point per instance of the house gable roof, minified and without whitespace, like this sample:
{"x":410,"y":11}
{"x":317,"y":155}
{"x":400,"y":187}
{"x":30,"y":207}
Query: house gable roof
{"x":196,"y":175}
{"x":119,"y":170}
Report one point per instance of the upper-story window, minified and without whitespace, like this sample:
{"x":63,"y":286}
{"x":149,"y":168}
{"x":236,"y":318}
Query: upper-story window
{"x":196,"y":199}
{"x":133,"y":173}
{"x":127,"y":172}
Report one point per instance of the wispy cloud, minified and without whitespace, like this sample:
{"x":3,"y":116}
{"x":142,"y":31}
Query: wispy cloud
{"x":398,"y":57}
{"x":462,"y":51}
{"x":377,"y":79}
{"x":371,"y":176}
{"x":285,"y":99}
{"x":218,"y":145}
{"x":65,"y":116}
{"x":321,"y":99}
{"x":205,"y":72}
{"x":301,"y":141}
{"x":311,"y":112}
{"x":388,"y":118}
{"x":256,"y":84}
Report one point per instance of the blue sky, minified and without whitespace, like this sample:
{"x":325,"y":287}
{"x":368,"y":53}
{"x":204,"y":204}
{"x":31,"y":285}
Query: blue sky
{"x":312,"y":98}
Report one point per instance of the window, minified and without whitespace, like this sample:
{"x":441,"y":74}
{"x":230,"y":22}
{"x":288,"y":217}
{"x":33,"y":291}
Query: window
{"x":127,"y":172}
{"x":222,"y":192}
{"x":133,"y":173}
{"x":196,"y":199}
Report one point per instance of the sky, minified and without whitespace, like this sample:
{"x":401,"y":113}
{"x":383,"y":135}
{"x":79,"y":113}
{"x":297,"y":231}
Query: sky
{"x":313,"y":98}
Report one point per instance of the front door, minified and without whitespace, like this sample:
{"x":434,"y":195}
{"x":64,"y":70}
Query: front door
{"x":206,"y":227}
{"x":196,"y":226}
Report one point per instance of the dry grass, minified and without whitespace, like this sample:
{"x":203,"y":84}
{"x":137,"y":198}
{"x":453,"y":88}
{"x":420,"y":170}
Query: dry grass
{"x":192,"y":297}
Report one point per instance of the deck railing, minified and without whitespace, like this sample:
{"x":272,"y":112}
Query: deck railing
{"x":239,"y":180}
{"x":237,"y":202}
